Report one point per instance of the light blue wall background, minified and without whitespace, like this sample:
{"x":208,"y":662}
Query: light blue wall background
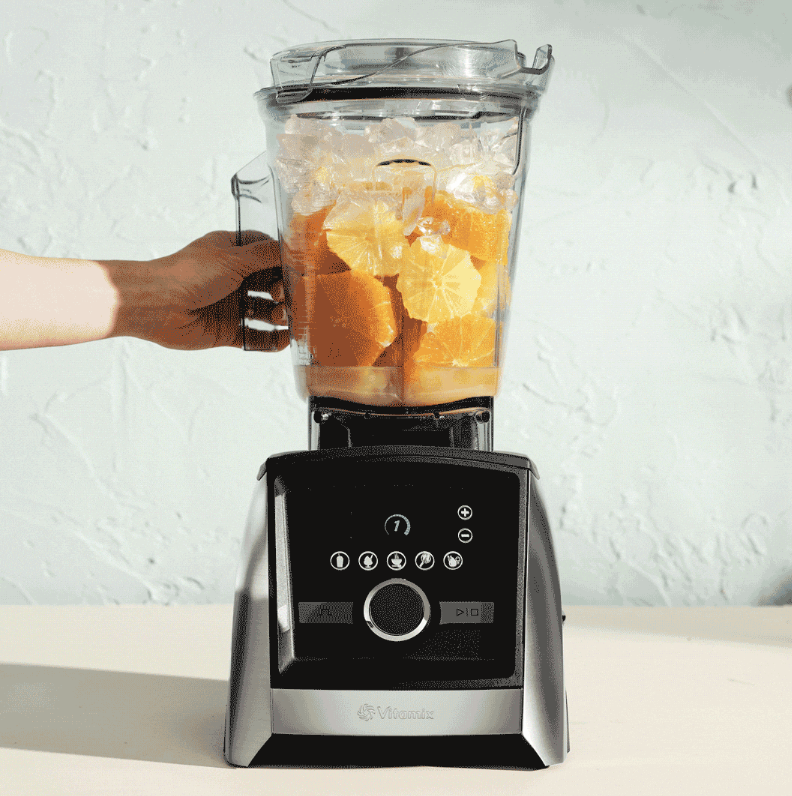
{"x":649,"y":370}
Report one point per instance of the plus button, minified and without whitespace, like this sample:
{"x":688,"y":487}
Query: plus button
{"x":465,"y":512}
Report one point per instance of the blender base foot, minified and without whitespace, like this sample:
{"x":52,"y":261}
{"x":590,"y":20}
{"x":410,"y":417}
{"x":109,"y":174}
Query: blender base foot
{"x":347,"y":751}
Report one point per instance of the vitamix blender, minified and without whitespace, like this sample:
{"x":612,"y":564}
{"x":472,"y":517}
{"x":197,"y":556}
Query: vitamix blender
{"x":398,"y":600}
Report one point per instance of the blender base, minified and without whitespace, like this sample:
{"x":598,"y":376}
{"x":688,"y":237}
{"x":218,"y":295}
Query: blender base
{"x":345,"y":681}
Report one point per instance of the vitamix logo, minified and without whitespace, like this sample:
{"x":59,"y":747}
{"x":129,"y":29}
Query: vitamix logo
{"x":368,"y":712}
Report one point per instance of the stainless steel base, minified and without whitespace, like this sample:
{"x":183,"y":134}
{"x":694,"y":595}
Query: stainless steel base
{"x":480,"y":712}
{"x":534,"y":715}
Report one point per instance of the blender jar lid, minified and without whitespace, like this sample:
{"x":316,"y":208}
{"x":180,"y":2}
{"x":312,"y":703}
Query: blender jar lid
{"x":471,"y":66}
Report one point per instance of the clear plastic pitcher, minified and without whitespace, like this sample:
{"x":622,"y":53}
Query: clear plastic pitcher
{"x":398,"y":169}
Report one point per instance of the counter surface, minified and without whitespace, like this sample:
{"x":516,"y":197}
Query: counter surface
{"x":131,"y":700}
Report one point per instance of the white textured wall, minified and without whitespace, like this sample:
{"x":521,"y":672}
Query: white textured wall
{"x":649,"y":372}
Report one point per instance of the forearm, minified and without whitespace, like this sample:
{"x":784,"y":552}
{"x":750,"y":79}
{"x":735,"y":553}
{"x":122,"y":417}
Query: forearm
{"x":52,"y":302}
{"x":187,"y":300}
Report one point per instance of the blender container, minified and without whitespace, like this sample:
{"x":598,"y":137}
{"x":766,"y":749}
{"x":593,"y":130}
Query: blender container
{"x":398,"y":170}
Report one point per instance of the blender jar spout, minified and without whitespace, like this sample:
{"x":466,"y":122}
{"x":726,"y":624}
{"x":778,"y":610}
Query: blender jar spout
{"x":542,"y":60}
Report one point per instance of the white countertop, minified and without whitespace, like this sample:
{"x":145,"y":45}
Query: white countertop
{"x":131,"y":700}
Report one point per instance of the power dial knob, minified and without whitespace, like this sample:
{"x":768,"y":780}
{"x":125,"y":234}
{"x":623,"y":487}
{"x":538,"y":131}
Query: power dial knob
{"x":396,"y":610}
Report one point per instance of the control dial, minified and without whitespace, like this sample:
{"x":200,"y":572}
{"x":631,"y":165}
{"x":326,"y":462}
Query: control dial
{"x":396,"y":610}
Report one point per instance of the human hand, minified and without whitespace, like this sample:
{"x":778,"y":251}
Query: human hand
{"x":191,"y":299}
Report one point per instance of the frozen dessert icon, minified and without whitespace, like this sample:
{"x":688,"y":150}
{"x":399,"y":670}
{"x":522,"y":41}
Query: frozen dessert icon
{"x":452,"y":560}
{"x":396,"y":560}
{"x":424,"y":560}
{"x":339,"y":560}
{"x":367,"y":560}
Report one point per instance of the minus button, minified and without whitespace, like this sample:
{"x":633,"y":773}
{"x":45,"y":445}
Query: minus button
{"x":465,"y":535}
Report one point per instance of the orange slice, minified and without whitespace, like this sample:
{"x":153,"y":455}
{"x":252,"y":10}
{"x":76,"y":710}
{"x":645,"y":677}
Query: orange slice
{"x":437,"y":281}
{"x":467,"y":342}
{"x":406,"y":343}
{"x":346,"y":319}
{"x":364,"y":231}
{"x":483,"y":235}
{"x":303,"y":230}
{"x":305,"y":246}
{"x":494,"y":291}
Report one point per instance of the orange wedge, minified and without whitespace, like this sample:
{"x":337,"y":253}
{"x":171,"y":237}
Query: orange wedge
{"x":466,"y":342}
{"x":483,"y":235}
{"x":346,"y":319}
{"x":305,"y":246}
{"x":437,"y":281}
{"x":406,"y":343}
{"x":494,"y":291}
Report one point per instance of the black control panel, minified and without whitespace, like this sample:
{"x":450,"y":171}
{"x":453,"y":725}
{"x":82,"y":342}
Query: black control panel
{"x":397,"y":569}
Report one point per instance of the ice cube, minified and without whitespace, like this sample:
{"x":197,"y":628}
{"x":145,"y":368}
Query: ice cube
{"x":411,"y":210}
{"x":297,"y":126}
{"x":389,"y":130}
{"x":309,"y":200}
{"x":448,"y":178}
{"x":439,"y":136}
{"x":360,"y":208}
{"x":432,"y":244}
{"x":427,"y":225}
{"x":411,"y":181}
{"x":509,"y":198}
{"x":353,"y":159}
{"x":467,"y":151}
{"x":505,"y":152}
{"x":408,"y":123}
{"x":293,"y":174}
{"x":490,"y":138}
{"x":504,"y":181}
{"x":298,"y":147}
{"x":477,"y":189}
{"x":434,"y":143}
{"x":348,"y":171}
{"x":356,"y":147}
{"x":317,"y":192}
{"x":309,"y":139}
{"x":399,"y":148}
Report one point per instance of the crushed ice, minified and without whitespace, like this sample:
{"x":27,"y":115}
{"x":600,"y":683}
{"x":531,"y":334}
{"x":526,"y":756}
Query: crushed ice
{"x":317,"y":160}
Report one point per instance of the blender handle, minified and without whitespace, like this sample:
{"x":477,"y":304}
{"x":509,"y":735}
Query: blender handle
{"x":247,"y":184}
{"x":247,"y":187}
